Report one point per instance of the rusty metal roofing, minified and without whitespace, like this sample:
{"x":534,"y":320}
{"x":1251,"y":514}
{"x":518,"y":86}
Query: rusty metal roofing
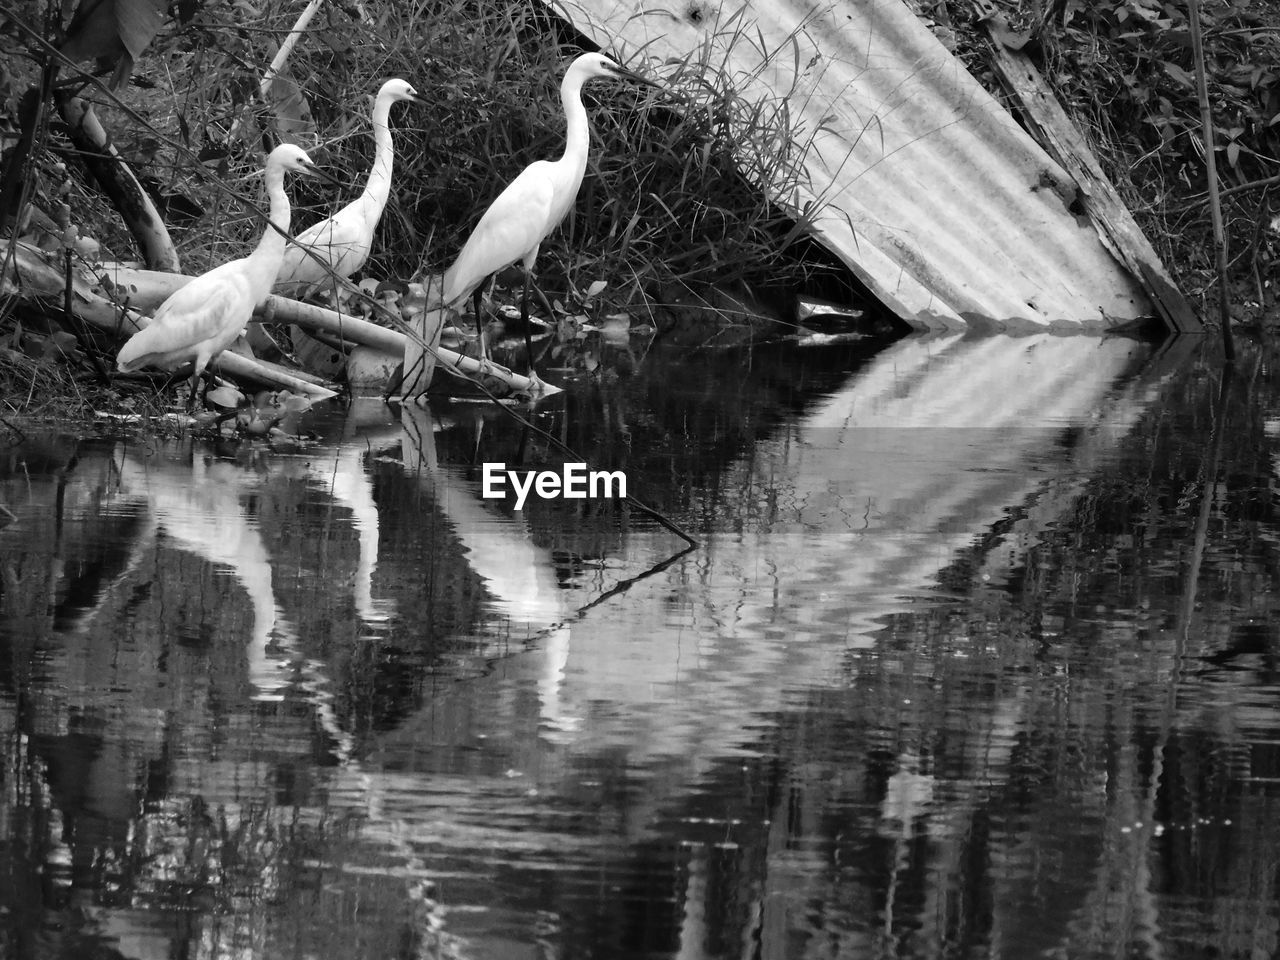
{"x":935,"y":197}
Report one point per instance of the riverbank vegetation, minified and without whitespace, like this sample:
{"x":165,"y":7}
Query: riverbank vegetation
{"x":664,"y":213}
{"x":1123,"y":70}
{"x":669,"y":210}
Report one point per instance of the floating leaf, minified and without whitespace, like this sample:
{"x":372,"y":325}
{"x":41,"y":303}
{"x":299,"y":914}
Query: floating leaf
{"x":617,"y":324}
{"x":225,"y":397}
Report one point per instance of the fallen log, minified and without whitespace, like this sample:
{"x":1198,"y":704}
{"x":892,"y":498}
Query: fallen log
{"x":269,"y":375}
{"x":1048,"y":122}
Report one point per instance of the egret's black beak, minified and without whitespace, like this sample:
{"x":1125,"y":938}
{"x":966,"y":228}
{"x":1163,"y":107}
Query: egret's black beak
{"x":622,"y":73}
{"x":418,"y":98}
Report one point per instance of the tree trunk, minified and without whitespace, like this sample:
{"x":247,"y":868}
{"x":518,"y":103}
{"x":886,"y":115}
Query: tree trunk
{"x":117,"y":181}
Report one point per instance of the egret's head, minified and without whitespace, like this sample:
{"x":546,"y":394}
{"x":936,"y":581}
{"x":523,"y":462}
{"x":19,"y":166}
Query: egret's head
{"x":293,"y":158}
{"x":396,"y":90}
{"x":591,"y":65}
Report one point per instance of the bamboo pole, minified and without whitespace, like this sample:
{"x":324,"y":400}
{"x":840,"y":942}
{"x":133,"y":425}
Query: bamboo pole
{"x":147,"y":289}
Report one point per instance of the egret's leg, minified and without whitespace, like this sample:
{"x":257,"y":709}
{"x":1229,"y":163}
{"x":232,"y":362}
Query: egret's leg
{"x":198,"y":373}
{"x":530,"y":259}
{"x":524,"y":318}
{"x":476,"y":298}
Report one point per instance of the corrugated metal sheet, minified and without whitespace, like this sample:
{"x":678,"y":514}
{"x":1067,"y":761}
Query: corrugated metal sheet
{"x":937,"y":199}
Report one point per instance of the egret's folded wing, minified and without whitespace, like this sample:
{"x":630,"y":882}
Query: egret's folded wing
{"x":513,"y":225}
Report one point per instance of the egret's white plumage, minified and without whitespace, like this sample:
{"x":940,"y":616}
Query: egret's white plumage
{"x":344,"y":240}
{"x":536,"y":201}
{"x":200,"y":320}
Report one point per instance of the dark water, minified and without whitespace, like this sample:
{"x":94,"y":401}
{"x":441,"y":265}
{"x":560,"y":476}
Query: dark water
{"x":978,"y":658}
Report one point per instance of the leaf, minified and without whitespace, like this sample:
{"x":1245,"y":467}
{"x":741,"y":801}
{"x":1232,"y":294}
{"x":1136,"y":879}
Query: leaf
{"x":1178,"y":74}
{"x":92,"y":32}
{"x":294,"y":122}
{"x":597,"y":287}
{"x":62,"y":343}
{"x":138,"y":21}
{"x":113,"y":30}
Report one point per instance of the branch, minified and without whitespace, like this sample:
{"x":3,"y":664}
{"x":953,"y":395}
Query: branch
{"x":281,"y":58}
{"x":278,"y":62}
{"x":118,"y":182}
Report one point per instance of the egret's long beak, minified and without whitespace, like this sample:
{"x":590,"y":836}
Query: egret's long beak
{"x":320,"y":173}
{"x":622,"y":73}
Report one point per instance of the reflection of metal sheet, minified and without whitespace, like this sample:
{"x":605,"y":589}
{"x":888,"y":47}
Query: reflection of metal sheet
{"x":875,"y":492}
{"x":938,"y":200}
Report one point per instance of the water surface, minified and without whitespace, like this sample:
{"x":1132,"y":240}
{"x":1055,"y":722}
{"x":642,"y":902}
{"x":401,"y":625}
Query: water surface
{"x":976,"y":658}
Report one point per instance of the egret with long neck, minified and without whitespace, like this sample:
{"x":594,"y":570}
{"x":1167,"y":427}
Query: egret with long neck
{"x":341,"y":244}
{"x":533,"y":204}
{"x":202,"y":318}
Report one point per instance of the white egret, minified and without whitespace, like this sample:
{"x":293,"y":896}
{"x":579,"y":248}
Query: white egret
{"x":344,"y":240}
{"x":200,"y":320}
{"x":534,"y":203}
